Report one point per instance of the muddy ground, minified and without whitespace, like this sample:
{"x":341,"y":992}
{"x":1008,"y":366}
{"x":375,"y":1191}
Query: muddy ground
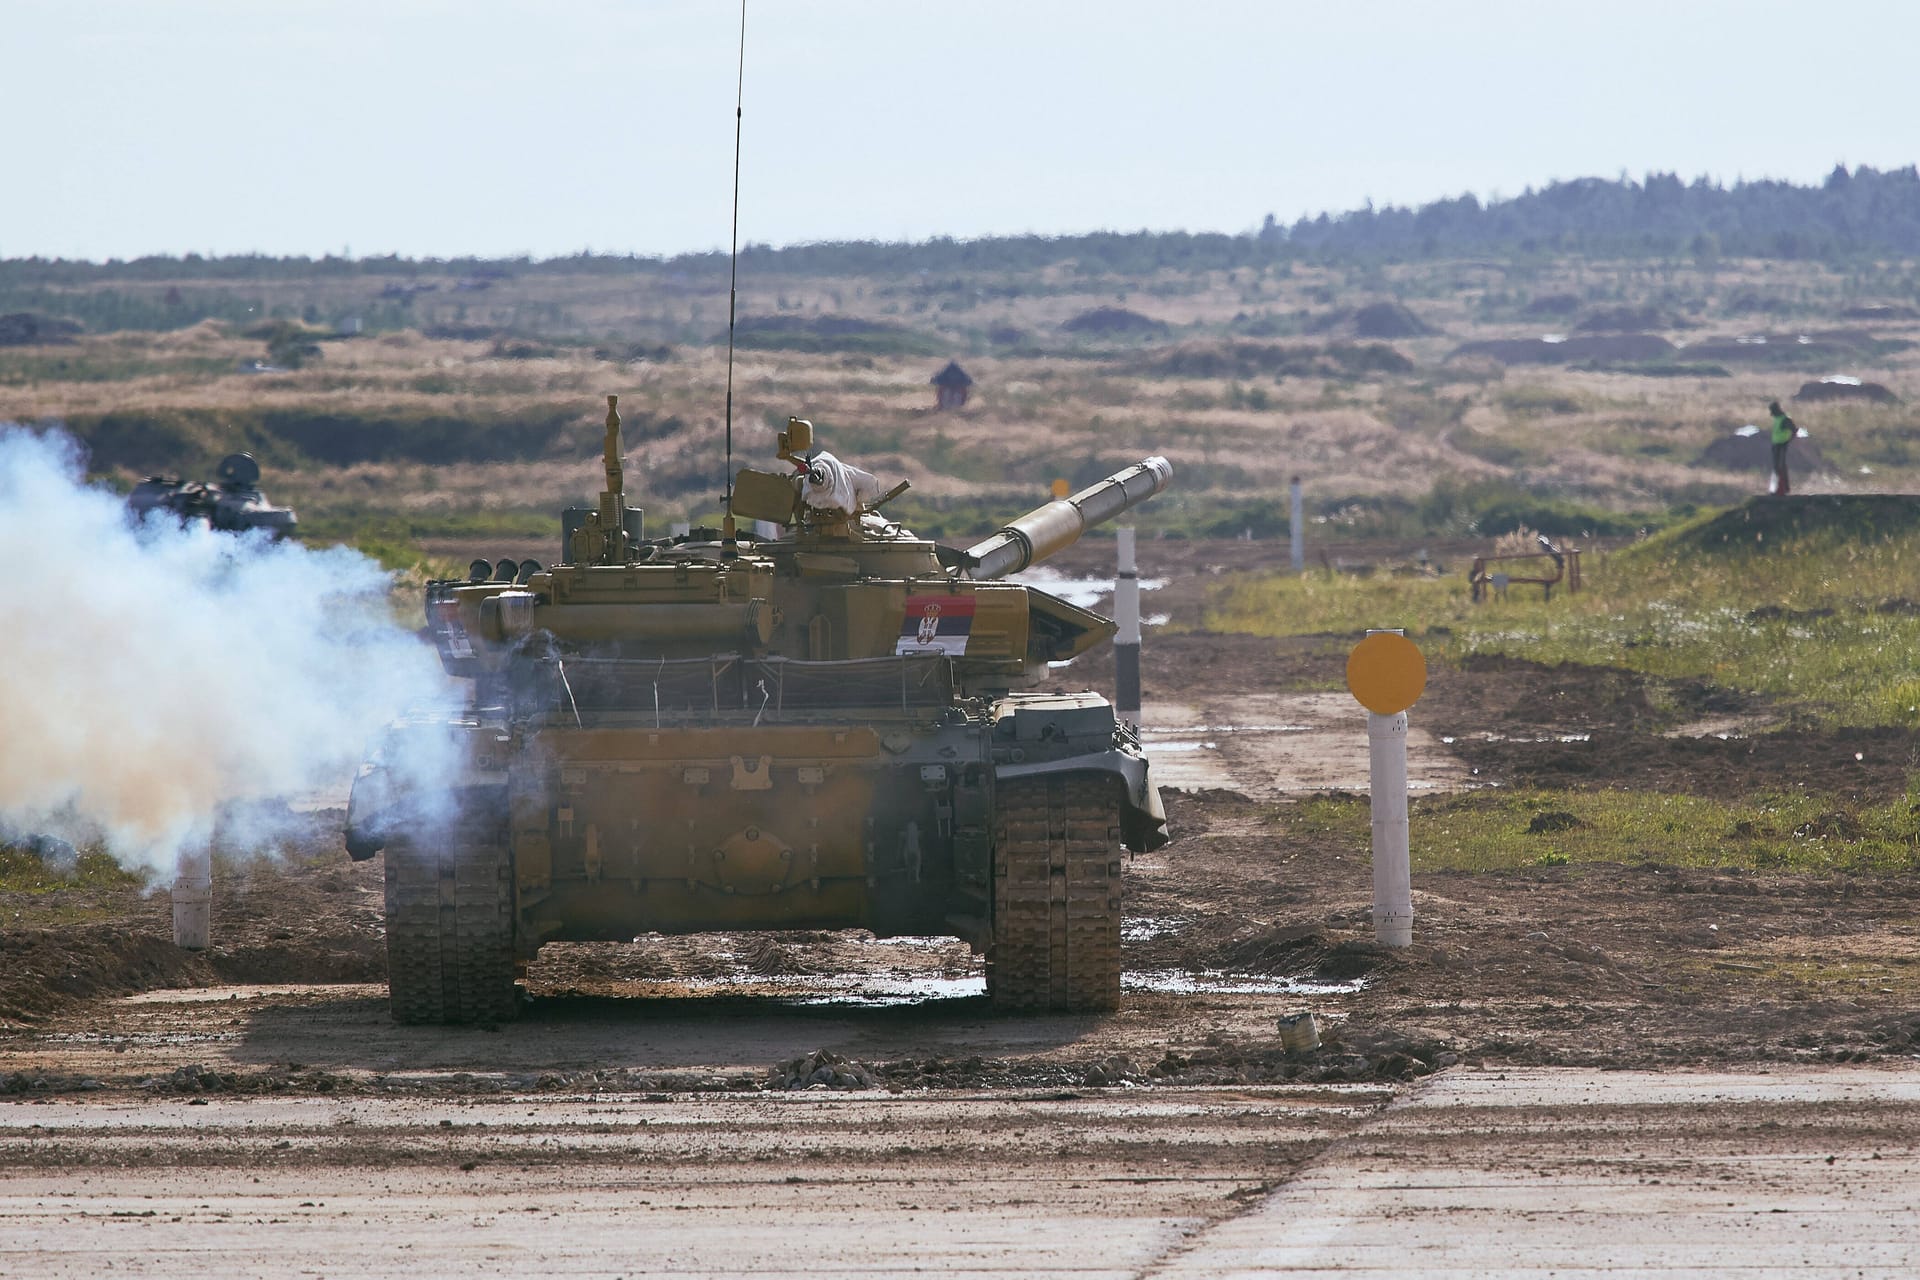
{"x":1246,"y":917}
{"x":835,"y":1104}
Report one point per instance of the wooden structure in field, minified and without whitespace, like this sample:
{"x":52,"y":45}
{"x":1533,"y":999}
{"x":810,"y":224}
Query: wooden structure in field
{"x":951,"y":386}
{"x":1546,"y":569}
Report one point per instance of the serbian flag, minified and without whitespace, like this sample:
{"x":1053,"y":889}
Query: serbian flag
{"x":936,"y":624}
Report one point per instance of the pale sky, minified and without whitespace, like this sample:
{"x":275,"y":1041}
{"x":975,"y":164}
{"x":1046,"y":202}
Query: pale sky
{"x":493,"y":127}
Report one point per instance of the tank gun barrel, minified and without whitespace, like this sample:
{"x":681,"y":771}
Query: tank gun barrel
{"x":613,"y":502}
{"x":1057,"y":525}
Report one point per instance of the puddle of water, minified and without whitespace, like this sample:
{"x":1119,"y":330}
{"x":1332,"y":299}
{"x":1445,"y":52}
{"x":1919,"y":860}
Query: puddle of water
{"x":882,"y":993}
{"x":868,"y":990}
{"x":1551,"y":737}
{"x":1228,"y":728}
{"x":1185,"y":746}
{"x":1212,"y":983}
{"x":1147,"y":928}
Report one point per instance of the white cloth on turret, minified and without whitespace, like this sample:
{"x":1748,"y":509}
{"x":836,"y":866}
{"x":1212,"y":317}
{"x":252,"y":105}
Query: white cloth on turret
{"x":832,"y":485}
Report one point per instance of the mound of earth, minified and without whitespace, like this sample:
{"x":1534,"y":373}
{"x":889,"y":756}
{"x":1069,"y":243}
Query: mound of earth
{"x":1579,"y":350}
{"x":1843,"y":388}
{"x":1754,"y":452}
{"x":1383,"y":319}
{"x":1114,"y":322}
{"x":1762,"y":523}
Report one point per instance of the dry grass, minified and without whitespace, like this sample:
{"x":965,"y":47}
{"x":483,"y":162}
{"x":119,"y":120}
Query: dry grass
{"x":1609,"y":439}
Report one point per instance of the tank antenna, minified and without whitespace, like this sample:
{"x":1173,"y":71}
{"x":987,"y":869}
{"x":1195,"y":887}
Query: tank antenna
{"x":733,"y":261}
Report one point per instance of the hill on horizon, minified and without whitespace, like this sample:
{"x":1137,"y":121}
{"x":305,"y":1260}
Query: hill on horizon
{"x":1862,"y":211}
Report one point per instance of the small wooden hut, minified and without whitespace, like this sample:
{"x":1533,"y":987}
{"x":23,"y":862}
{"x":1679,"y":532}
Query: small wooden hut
{"x":951,"y":385}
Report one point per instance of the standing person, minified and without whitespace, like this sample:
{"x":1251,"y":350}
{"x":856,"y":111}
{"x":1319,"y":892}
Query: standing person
{"x":1783,"y":433}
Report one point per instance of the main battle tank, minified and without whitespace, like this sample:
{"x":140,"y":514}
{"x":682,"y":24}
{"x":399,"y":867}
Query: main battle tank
{"x":234,"y":505}
{"x":816,"y":731}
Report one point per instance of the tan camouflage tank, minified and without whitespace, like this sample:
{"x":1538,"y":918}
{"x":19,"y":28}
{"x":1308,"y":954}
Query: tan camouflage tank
{"x":819,"y":730}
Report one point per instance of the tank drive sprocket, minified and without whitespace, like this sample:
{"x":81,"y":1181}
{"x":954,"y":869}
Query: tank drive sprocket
{"x":450,"y":956}
{"x":1056,"y":896}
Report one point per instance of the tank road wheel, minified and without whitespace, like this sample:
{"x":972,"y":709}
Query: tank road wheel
{"x":1056,"y":896}
{"x":450,"y":930}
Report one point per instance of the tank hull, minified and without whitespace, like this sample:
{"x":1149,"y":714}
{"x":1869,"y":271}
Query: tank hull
{"x":610,"y":827}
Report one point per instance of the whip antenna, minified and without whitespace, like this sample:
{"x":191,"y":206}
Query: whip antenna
{"x":733,"y":259}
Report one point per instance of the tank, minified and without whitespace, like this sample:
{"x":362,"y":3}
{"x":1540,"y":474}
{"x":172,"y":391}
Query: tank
{"x":234,"y":504}
{"x":830,"y":728}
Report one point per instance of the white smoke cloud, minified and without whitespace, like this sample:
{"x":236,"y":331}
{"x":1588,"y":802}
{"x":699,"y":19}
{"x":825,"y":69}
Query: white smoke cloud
{"x":152,"y":677}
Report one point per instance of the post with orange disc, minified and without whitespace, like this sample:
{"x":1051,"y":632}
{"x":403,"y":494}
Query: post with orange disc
{"x":1386,"y":673}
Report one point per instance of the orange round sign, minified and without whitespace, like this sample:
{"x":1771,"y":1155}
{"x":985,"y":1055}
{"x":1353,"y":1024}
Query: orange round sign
{"x":1386,"y":672}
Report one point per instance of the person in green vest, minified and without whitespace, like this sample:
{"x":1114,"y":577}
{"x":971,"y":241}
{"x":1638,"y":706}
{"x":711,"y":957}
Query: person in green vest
{"x":1783,"y":433}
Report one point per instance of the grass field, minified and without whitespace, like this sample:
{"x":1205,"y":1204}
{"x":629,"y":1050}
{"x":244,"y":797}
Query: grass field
{"x":1823,"y":620}
{"x":1782,"y":831}
{"x":477,"y":400}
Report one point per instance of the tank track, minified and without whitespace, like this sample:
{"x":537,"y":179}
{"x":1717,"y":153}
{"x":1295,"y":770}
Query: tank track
{"x":1056,"y":896}
{"x":450,"y":955}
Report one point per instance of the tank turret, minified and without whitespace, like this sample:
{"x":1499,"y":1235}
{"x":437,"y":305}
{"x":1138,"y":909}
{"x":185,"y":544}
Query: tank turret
{"x":233,"y":505}
{"x":820,"y":729}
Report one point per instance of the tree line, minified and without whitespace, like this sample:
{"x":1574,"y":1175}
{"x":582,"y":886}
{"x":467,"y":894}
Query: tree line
{"x":1852,"y":214}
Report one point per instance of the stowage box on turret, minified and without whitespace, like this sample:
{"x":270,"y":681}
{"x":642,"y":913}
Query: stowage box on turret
{"x":704,"y":733}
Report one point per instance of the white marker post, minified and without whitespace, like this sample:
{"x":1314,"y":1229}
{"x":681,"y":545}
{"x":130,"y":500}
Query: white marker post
{"x":1386,"y":673}
{"x":1296,"y":527}
{"x":1126,"y":613}
{"x":193,"y":902}
{"x":1392,"y":863}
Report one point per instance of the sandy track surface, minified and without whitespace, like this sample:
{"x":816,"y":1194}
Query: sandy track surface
{"x":1580,"y":1174}
{"x":1023,"y":1184}
{"x":1563,"y":1172}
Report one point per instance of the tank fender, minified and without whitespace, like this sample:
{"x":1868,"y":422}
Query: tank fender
{"x":1143,"y":819}
{"x":381,"y":810}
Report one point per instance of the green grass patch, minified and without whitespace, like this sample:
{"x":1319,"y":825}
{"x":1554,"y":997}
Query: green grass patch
{"x":1512,"y":830}
{"x":25,"y":870}
{"x":1818,"y":612}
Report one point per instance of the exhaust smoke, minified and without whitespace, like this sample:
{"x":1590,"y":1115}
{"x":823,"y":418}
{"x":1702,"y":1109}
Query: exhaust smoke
{"x":156,"y":679}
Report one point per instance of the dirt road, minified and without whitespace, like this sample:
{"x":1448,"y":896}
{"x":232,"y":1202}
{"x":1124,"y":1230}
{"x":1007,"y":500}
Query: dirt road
{"x":1474,"y":1172}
